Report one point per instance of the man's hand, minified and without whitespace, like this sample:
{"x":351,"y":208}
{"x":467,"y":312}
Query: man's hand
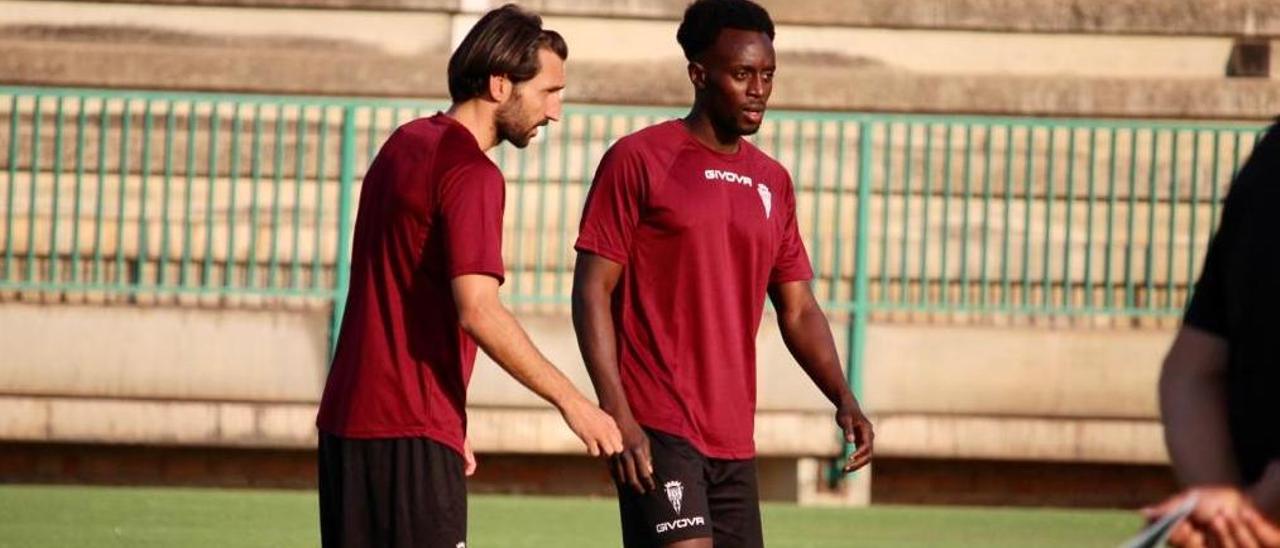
{"x":857,"y":430}
{"x":468,"y":458}
{"x":634,"y":465}
{"x":593,"y":426}
{"x":1215,"y":503}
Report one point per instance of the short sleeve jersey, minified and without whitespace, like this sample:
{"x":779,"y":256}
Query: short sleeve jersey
{"x":700,"y":235}
{"x":1237,"y":298}
{"x":430,"y":210}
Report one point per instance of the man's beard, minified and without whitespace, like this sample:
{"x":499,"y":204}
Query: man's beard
{"x":511,"y":127}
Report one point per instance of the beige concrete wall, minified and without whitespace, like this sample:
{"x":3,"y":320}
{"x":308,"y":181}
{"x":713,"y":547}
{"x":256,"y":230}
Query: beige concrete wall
{"x":193,"y":375}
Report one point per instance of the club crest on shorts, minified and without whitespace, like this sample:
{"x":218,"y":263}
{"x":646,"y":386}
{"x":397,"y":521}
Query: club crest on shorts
{"x":766,"y":198}
{"x":675,"y":494}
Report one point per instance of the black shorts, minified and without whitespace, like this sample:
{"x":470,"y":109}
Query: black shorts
{"x":394,"y":492}
{"x":697,"y":497}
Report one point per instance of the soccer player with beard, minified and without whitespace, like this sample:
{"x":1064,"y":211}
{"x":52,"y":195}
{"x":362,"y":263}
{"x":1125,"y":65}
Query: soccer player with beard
{"x":425,"y":271}
{"x":687,"y":227}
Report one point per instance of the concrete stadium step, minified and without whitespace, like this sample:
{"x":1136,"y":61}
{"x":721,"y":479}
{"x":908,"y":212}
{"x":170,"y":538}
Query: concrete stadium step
{"x":176,"y":47}
{"x":1232,"y":17}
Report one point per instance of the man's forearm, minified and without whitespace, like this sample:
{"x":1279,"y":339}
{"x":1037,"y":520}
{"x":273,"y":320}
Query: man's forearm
{"x":808,"y":337}
{"x":1193,"y":405}
{"x":498,"y":333}
{"x":593,"y":324}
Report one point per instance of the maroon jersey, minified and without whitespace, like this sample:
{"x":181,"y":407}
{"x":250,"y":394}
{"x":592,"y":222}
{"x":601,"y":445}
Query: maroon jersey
{"x":701,"y":235}
{"x":430,"y":210}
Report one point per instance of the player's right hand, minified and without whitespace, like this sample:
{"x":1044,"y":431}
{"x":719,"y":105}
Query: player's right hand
{"x":594,"y":427}
{"x":634,"y":465}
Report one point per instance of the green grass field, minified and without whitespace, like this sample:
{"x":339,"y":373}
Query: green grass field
{"x":39,"y":516}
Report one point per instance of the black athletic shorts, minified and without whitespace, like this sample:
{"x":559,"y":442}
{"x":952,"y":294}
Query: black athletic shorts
{"x":696,"y":497}
{"x":394,"y":492}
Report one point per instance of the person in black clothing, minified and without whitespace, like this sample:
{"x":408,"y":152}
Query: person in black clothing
{"x":1218,"y":384}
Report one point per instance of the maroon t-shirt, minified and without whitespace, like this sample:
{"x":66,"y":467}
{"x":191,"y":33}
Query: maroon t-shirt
{"x":430,"y":210}
{"x":701,"y":235}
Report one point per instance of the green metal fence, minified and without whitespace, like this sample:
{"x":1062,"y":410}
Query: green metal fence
{"x":238,"y":197}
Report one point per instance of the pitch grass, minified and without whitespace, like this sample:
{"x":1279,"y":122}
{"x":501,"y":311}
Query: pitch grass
{"x":42,"y":516}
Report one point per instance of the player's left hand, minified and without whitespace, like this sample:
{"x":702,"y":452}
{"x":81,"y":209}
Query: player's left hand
{"x":468,"y":458}
{"x":1211,"y":521}
{"x":857,"y":430}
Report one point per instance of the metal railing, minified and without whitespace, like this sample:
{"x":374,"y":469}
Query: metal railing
{"x":153,"y":194}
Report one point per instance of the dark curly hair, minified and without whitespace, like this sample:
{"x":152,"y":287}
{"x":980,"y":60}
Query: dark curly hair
{"x":704,"y":19}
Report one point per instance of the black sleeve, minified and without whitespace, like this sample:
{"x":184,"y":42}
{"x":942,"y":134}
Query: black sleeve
{"x":1208,"y":307}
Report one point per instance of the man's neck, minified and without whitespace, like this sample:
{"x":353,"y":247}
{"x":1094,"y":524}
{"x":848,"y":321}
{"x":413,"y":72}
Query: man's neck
{"x":478,"y":119}
{"x":706,"y":132}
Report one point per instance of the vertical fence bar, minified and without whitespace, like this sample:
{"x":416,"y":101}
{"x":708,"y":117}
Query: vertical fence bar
{"x":518,"y":253}
{"x":886,"y":188}
{"x":816,"y":214}
{"x":98,"y":259}
{"x":943,"y":233}
{"x":561,"y":251}
{"x":837,"y":260}
{"x":144,"y":173}
{"x":14,"y":116}
{"x":56,"y":210}
{"x":1173,"y":217}
{"x":857,"y":331}
{"x":33,"y":185}
{"x":277,"y":181}
{"x":1068,"y":235}
{"x":170,"y":126}
{"x":1149,"y":271}
{"x":121,"y":196}
{"x":317,"y":224}
{"x":346,"y":184}
{"x":299,"y":175}
{"x":188,"y":227}
{"x":540,"y":241}
{"x":1112,"y":175}
{"x":1195,"y":213}
{"x":904,"y":290}
{"x":233,"y":181}
{"x":964,"y":221}
{"x":1006,"y":282}
{"x":81,"y":122}
{"x":206,"y":275}
{"x":255,"y":174}
{"x":1130,"y":299}
{"x":926,"y":196}
{"x":985,"y":277}
{"x":1088,"y":301}
{"x":1028,"y":181}
{"x":1046,"y":287}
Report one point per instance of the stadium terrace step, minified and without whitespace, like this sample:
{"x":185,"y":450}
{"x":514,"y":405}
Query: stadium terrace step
{"x":372,"y":53}
{"x":1232,"y":17}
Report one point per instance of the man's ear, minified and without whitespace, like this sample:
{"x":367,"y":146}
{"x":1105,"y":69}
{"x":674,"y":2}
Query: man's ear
{"x":697,"y":75}
{"x":500,"y":88}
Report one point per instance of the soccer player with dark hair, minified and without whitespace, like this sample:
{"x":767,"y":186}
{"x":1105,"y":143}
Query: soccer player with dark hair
{"x":687,"y":227}
{"x":425,"y":270}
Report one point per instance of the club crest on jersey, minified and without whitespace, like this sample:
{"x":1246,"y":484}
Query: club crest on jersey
{"x":675,"y":494}
{"x":766,"y":198}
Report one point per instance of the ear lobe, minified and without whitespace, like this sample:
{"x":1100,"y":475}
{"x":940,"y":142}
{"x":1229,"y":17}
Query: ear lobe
{"x":499,"y":88}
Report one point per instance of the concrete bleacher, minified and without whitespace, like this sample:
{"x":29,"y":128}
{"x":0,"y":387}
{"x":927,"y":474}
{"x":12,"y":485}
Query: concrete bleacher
{"x":942,"y":388}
